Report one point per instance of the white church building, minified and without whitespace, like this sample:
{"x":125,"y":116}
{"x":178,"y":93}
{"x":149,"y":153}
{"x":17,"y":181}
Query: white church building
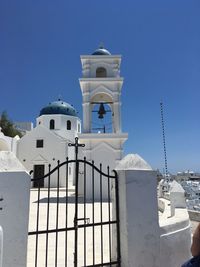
{"x":58,"y":123}
{"x":56,"y":126}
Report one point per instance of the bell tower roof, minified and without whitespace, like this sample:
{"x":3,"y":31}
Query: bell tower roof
{"x":101,"y":51}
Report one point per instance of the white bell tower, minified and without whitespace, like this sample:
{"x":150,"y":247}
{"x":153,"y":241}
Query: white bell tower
{"x":101,"y":87}
{"x":101,"y":83}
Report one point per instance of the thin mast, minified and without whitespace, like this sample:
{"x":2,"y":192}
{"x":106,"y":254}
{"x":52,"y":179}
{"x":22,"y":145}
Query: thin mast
{"x":163,"y":134}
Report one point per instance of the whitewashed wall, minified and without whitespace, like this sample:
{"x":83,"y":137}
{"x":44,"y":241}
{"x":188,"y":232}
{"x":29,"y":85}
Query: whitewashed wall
{"x":14,"y":213}
{"x":8,"y":143}
{"x":175,"y":233}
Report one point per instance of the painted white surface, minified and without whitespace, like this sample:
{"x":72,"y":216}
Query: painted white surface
{"x":106,"y":149}
{"x":133,"y":162}
{"x":14,"y":215}
{"x":139,"y":227}
{"x":55,"y":146}
{"x":175,"y":235}
{"x":9,"y":162}
{"x":101,"y":89}
{"x":1,"y":246}
{"x":8,"y":143}
{"x":177,"y":197}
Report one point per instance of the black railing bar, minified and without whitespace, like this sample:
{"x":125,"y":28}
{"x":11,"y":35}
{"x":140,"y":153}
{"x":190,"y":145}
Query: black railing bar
{"x":101,"y":214}
{"x":93,"y":228}
{"x":66,"y":210}
{"x":37,"y":226}
{"x":72,"y":228}
{"x":47,"y":237}
{"x":76,"y":214}
{"x":117,"y":219}
{"x":57,"y":215}
{"x":84,"y":210}
{"x":109,"y":214}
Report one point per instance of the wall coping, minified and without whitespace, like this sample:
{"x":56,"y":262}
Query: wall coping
{"x":169,"y":224}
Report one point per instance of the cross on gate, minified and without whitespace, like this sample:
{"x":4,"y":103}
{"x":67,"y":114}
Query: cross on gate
{"x":76,"y":145}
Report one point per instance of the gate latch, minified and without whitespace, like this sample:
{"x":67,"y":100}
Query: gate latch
{"x":86,"y":220}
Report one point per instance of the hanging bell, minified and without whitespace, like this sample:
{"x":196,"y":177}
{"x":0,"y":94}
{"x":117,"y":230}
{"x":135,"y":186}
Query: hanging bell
{"x":101,"y":111}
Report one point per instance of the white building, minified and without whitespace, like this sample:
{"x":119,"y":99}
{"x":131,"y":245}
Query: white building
{"x":47,"y":143}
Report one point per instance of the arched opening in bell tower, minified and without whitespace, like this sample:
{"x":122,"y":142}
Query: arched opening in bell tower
{"x":102,"y":113}
{"x":101,"y":72}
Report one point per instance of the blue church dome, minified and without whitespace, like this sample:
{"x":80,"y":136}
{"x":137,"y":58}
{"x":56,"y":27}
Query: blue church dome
{"x":58,"y":107}
{"x":101,"y":51}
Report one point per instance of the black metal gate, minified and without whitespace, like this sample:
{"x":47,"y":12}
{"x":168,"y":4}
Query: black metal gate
{"x":76,"y":225}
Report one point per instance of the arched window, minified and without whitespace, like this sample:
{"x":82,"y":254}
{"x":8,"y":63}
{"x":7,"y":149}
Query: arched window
{"x":52,"y":125}
{"x":101,"y":72}
{"x":68,"y":125}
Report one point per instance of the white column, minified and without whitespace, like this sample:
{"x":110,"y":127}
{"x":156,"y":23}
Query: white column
{"x":14,"y":213}
{"x":139,"y":229}
{"x":86,"y":117}
{"x":177,"y":197}
{"x":117,"y":117}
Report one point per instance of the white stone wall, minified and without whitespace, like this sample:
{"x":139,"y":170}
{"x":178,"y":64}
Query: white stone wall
{"x":8,"y":143}
{"x":14,"y":213}
{"x":175,"y":236}
{"x":139,"y":230}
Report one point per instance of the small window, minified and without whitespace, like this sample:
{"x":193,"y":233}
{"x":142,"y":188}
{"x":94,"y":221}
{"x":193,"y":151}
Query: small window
{"x":52,"y":125}
{"x":68,"y":125}
{"x":101,"y":72}
{"x":79,"y":128}
{"x":39,"y":143}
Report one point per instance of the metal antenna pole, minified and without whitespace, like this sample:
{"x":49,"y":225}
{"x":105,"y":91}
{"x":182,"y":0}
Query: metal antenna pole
{"x":163,"y":134}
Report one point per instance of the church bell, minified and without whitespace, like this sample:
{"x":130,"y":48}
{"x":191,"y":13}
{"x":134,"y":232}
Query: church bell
{"x":101,"y":111}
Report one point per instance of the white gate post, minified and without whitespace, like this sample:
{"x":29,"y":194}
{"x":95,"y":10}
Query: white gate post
{"x":139,"y":227}
{"x":14,"y":210}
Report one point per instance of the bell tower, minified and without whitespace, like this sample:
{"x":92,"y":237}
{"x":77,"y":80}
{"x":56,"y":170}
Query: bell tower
{"x":101,"y":86}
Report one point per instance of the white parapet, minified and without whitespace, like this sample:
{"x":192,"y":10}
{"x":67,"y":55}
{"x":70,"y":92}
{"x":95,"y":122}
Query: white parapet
{"x":175,"y":233}
{"x":14,"y":210}
{"x":139,"y":227}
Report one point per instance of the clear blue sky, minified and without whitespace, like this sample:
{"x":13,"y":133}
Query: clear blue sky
{"x":40,"y":47}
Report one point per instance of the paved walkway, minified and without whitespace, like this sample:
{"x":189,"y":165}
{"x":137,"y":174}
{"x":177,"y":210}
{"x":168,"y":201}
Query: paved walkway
{"x":51,"y":257}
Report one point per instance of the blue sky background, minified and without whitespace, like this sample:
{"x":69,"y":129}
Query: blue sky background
{"x":40,"y":47}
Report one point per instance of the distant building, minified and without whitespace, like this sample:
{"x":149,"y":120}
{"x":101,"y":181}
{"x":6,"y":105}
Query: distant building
{"x":23,"y":127}
{"x":187,"y":175}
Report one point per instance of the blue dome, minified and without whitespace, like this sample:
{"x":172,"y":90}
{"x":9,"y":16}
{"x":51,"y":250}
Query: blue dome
{"x":101,"y":52}
{"x":58,"y":107}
